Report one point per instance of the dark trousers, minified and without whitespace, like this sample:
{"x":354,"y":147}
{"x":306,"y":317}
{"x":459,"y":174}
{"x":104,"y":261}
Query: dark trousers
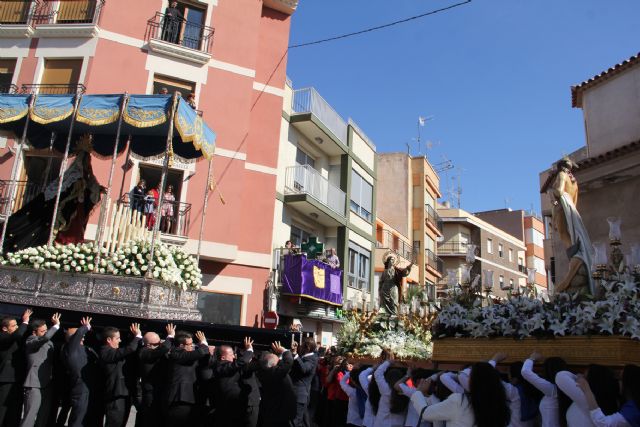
{"x":179,"y":413}
{"x":251,"y":416}
{"x":79,"y":404}
{"x":10,"y":404}
{"x":116,"y":412}
{"x":301,"y":419}
{"x":338,"y":412}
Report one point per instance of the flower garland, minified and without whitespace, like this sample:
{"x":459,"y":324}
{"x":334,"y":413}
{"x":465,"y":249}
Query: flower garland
{"x":172,"y":265}
{"x":617,"y":313}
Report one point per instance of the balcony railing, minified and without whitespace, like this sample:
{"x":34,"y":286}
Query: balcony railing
{"x":68,"y":12}
{"x":180,"y":32}
{"x":8,"y":88}
{"x":176,"y":222}
{"x":15,"y":12}
{"x":54,"y":89}
{"x":453,"y":247}
{"x":20,"y":193}
{"x":388,"y":240}
{"x":303,"y":179}
{"x":433,"y":261}
{"x":432,"y":217}
{"x":308,"y":100}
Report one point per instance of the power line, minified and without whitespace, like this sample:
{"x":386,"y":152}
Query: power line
{"x":379,"y":27}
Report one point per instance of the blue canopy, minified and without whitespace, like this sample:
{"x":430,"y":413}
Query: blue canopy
{"x":145,"y":120}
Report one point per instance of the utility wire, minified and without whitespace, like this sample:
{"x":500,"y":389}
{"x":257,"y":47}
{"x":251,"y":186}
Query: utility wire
{"x":379,"y":27}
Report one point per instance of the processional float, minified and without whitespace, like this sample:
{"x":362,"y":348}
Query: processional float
{"x":149,"y":126}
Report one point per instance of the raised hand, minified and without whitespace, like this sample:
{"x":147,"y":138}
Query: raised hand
{"x":200,"y":336}
{"x":55,"y":319}
{"x":135,"y":329}
{"x":26,"y":315}
{"x":212,"y":350}
{"x":499,"y":357}
{"x":86,"y":321}
{"x":536,"y":356}
{"x":171,"y":329}
{"x":294,"y":347}
{"x":248,"y":343}
{"x":278,"y":348}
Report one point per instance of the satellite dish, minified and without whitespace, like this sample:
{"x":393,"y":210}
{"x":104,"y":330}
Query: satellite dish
{"x":440,"y":239}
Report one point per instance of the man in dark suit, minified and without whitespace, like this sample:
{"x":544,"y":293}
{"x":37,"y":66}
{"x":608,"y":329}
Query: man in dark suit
{"x":152,"y":368}
{"x":112,"y":359}
{"x":183,"y":362}
{"x":38,"y":389}
{"x":80,"y":363}
{"x":278,"y":404}
{"x":303,"y":370}
{"x":172,"y":21}
{"x":11,"y":369}
{"x":233,"y":388}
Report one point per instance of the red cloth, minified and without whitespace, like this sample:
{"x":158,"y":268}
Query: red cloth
{"x":334,"y":391}
{"x":156,"y":196}
{"x":75,"y":232}
{"x":323,"y":370}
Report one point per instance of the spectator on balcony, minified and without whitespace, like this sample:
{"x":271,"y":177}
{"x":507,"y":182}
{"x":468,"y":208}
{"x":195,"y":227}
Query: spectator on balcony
{"x":293,"y":250}
{"x":166,"y":221}
{"x":172,"y":20}
{"x":136,"y":196}
{"x":163,"y":91}
{"x":191,"y":100}
{"x":333,"y":259}
{"x":150,"y":209}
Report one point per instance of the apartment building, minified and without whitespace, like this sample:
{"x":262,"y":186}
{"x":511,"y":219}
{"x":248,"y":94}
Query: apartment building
{"x":496,"y":250}
{"x":608,"y":171}
{"x":325,"y":193}
{"x":408,"y":188}
{"x":229,"y":55}
{"x":528,"y":227}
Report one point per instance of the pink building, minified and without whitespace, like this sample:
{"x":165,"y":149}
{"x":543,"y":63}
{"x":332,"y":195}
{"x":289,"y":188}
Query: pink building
{"x":231,"y":55}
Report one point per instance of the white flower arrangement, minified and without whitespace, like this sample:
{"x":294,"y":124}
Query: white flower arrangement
{"x":617,"y":313}
{"x":172,"y":265}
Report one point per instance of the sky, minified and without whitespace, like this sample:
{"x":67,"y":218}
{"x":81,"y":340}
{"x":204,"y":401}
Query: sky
{"x":494,"y":75}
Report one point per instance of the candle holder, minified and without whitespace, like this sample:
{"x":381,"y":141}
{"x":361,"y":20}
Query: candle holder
{"x":487,"y":284}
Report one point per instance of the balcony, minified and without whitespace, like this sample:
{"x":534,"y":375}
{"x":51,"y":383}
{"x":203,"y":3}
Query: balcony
{"x":17,"y":193}
{"x":319,"y":122}
{"x":453,"y":248}
{"x":67,"y":18}
{"x":176,"y":230}
{"x":313,"y":195}
{"x":179,"y":39}
{"x":387,"y":240}
{"x":54,"y":89}
{"x":9,"y":89}
{"x":433,"y":262}
{"x":15,"y":18}
{"x":433,"y":219}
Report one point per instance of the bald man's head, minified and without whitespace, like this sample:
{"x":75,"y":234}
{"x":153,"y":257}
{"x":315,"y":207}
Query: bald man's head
{"x":226,"y":353}
{"x":151,"y":338}
{"x":269,"y":360}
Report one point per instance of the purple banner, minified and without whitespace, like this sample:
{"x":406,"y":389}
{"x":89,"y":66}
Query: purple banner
{"x":311,"y":279}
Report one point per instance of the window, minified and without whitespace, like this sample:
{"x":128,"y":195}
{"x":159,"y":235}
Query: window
{"x":14,"y":12}
{"x":76,"y":12}
{"x":501,"y":278}
{"x":187,"y":31}
{"x":490,"y":246}
{"x":7,"y":67}
{"x":60,"y":76}
{"x":298,"y":236}
{"x":175,"y":220}
{"x":520,"y":264}
{"x":510,"y":255}
{"x":359,"y":267}
{"x":510,"y":283}
{"x":500,"y":250}
{"x":173,"y":85}
{"x":224,"y":309}
{"x":303,"y":158}
{"x":361,"y":196}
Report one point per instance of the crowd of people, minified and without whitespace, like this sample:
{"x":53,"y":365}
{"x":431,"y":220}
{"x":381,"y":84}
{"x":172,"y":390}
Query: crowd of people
{"x":146,"y":202}
{"x":182,"y":380}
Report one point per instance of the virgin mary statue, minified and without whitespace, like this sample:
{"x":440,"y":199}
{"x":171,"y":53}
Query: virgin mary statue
{"x":80,"y":192}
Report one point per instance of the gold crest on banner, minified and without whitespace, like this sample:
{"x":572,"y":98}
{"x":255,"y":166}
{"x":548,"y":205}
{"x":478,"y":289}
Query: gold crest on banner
{"x":318,"y":277}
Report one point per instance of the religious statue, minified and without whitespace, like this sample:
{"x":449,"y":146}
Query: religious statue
{"x":562,"y":188}
{"x":79,"y":194}
{"x":390,"y":286}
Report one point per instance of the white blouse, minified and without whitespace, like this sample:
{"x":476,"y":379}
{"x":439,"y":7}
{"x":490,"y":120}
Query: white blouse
{"x":456,"y":410}
{"x":365,"y":379}
{"x":614,"y":420}
{"x":549,"y":407}
{"x":412,"y":414}
{"x":353,"y":414}
{"x":384,"y":417}
{"x":578,"y":413}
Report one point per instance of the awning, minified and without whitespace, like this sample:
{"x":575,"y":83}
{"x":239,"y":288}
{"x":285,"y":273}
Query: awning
{"x":145,"y":121}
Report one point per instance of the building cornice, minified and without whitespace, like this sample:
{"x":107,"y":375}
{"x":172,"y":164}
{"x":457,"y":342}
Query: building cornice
{"x":284,"y":6}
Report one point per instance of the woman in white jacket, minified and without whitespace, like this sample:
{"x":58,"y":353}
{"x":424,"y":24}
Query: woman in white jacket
{"x":387,"y":415}
{"x":549,"y":405}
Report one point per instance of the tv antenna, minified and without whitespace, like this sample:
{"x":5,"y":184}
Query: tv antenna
{"x":421,"y":122}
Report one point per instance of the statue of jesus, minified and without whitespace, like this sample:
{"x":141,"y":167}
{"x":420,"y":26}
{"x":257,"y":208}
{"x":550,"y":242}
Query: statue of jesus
{"x":390,"y":286}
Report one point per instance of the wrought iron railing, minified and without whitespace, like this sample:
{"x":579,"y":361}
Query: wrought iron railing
{"x":433,"y":261}
{"x":308,"y":100}
{"x":8,"y":88}
{"x":68,"y":12}
{"x":453,"y":247}
{"x":388,"y":240}
{"x":54,"y":89}
{"x":15,"y":12}
{"x":19,"y":194}
{"x":432,"y":217}
{"x":175,"y":217}
{"x":304,"y":179}
{"x":180,"y":32}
